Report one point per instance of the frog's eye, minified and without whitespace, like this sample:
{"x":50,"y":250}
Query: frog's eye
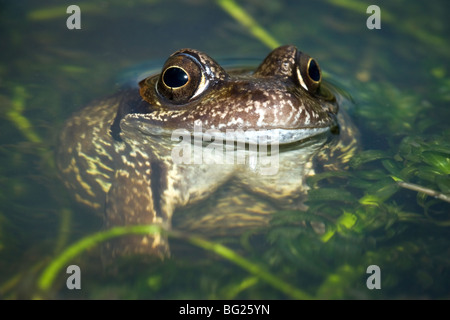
{"x":182,"y":79}
{"x":308,"y":73}
{"x":175,"y":77}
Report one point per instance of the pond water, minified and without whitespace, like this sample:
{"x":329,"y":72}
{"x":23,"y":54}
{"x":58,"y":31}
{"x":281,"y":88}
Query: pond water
{"x":390,"y":208}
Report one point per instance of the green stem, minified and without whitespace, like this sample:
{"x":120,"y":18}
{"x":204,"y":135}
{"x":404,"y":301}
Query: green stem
{"x":64,"y":229}
{"x":250,"y":267}
{"x":49,"y":274}
{"x":246,"y":20}
{"x":15,"y":115}
{"x":52,"y":270}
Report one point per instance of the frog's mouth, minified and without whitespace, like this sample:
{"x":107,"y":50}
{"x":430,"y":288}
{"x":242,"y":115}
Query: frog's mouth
{"x":269,"y":136}
{"x":281,"y":136}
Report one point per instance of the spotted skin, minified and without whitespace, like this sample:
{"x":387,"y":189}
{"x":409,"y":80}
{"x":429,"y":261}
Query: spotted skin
{"x":115,"y":155}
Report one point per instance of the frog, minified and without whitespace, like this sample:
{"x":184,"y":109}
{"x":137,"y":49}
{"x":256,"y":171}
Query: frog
{"x":130,"y":157}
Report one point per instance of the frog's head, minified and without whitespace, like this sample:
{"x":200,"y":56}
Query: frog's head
{"x":285,"y":94}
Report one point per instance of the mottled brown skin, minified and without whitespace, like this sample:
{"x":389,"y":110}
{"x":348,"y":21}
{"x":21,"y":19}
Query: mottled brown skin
{"x":115,"y":155}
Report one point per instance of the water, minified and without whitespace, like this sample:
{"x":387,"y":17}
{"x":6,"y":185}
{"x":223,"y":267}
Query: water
{"x":398,"y":77}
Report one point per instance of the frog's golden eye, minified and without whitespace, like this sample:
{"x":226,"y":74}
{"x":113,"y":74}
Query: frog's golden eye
{"x":182,"y":79}
{"x":313,"y":70}
{"x":175,"y":77}
{"x":308,"y":73}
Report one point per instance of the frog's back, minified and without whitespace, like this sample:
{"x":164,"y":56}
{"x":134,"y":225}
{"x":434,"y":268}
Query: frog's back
{"x":85,"y":154}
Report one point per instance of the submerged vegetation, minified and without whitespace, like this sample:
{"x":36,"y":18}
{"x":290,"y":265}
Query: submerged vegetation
{"x":390,"y":208}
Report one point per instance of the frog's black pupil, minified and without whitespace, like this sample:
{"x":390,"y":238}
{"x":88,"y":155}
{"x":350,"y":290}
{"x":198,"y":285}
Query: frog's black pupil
{"x":313,"y":70}
{"x":175,"y":77}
